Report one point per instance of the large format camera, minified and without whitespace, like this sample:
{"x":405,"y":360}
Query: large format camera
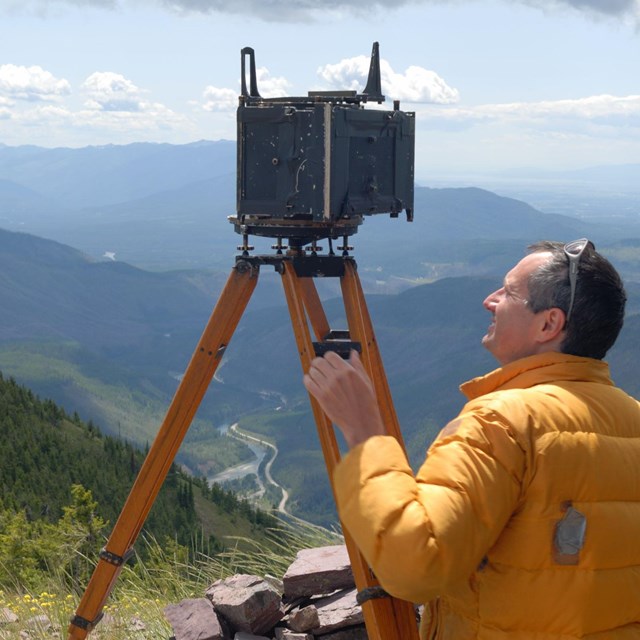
{"x":312,"y":167}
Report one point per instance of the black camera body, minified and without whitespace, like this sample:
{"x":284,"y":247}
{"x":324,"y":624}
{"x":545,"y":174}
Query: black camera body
{"x":314,"y":166}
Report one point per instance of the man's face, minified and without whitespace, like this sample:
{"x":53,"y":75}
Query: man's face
{"x":514,"y":327}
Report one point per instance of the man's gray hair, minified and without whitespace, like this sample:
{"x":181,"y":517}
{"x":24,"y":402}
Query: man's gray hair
{"x":598,"y":309}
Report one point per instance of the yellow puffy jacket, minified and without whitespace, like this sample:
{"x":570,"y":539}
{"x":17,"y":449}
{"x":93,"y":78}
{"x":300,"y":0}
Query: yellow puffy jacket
{"x":524,"y":521}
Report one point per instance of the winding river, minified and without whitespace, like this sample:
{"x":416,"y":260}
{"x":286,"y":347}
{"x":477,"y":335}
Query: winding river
{"x":260,"y":449}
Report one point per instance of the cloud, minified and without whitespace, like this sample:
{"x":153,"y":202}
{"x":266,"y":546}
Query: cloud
{"x":415,"y":85}
{"x":292,"y":10}
{"x":33,"y":84}
{"x":271,"y":87}
{"x":220,"y":99}
{"x":301,"y":10}
{"x":153,"y":118}
{"x":272,"y":11}
{"x":43,"y":7}
{"x":615,"y":8}
{"x":108,"y":91}
{"x":304,"y":10}
{"x":115,"y":103}
{"x":49,"y":114}
{"x":601,"y":113}
{"x":217,"y":99}
{"x":115,"y":108}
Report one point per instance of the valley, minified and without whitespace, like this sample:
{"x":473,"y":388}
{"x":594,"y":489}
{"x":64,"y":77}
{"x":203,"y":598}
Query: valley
{"x":106,"y":288}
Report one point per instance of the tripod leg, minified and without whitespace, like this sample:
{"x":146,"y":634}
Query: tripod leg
{"x":361,"y":330}
{"x":295,"y":302}
{"x":385,"y":618}
{"x":313,"y":307}
{"x":204,"y":362}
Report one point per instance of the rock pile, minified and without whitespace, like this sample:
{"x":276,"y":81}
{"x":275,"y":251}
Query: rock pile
{"x":315,"y":600}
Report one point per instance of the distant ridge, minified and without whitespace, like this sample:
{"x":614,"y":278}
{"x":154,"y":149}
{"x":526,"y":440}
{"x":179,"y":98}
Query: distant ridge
{"x":163,"y":206}
{"x":71,"y":296}
{"x":618,"y":174}
{"x":109,"y":174}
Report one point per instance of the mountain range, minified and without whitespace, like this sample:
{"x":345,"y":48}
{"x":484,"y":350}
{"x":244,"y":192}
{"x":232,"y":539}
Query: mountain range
{"x":110,"y":338}
{"x":161,"y":207}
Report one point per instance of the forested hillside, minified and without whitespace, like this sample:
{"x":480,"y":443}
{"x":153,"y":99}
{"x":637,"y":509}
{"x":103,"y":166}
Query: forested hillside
{"x":45,"y":453}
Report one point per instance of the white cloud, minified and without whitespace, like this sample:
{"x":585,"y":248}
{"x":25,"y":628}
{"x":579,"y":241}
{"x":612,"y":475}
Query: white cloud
{"x":311,"y":10}
{"x":417,"y":84}
{"x":601,"y":116}
{"x":216,"y":99}
{"x":115,"y":103}
{"x":221,"y":99}
{"x":43,"y":115}
{"x":115,"y":110}
{"x":151,"y":117}
{"x":30,"y":83}
{"x":269,"y":87}
{"x":614,"y":8}
{"x":350,"y":73}
{"x":304,"y":10}
{"x":110,"y":91}
{"x":47,"y":7}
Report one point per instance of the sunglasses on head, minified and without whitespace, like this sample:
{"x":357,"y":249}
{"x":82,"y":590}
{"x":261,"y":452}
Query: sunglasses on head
{"x":573,"y":251}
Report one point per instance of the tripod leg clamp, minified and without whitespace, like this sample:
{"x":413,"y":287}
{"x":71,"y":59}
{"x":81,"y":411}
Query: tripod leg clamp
{"x":370,"y":593}
{"x":114,"y":558}
{"x":84,"y":624}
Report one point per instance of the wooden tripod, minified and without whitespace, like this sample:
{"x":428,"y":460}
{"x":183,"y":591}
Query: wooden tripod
{"x":385,"y":618}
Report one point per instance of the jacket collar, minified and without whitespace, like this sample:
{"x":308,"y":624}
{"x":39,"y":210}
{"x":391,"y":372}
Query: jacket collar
{"x":543,"y":368}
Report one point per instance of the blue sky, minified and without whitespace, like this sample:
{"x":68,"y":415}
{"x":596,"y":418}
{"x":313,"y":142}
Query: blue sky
{"x":495,"y":85}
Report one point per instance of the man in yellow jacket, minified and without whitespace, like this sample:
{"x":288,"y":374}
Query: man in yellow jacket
{"x":524,"y":520}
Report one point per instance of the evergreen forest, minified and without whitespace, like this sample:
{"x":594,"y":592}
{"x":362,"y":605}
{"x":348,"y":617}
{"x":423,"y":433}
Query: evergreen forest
{"x":58,"y":473}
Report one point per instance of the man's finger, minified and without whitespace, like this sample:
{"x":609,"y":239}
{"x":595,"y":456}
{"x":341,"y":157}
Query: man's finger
{"x":309,"y":383}
{"x":335,"y":360}
{"x":356,"y":362}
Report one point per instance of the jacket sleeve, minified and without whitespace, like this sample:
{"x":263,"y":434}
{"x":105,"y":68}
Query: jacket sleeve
{"x":421,"y":534}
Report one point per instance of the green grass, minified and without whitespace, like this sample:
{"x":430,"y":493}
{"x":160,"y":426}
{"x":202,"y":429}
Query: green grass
{"x":143,"y":590}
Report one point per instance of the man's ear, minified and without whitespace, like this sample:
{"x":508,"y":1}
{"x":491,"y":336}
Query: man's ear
{"x":552,"y":325}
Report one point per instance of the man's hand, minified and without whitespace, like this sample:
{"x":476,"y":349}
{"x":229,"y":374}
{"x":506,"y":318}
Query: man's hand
{"x":346,"y":394}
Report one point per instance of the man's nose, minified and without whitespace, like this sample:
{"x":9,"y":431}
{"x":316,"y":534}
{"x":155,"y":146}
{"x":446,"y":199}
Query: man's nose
{"x":491,"y":300}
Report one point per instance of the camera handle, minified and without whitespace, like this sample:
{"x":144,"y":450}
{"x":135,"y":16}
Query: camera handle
{"x":253,"y":81}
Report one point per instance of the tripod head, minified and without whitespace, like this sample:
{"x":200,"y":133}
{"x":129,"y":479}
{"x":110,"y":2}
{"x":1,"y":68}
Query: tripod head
{"x":313,"y":167}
